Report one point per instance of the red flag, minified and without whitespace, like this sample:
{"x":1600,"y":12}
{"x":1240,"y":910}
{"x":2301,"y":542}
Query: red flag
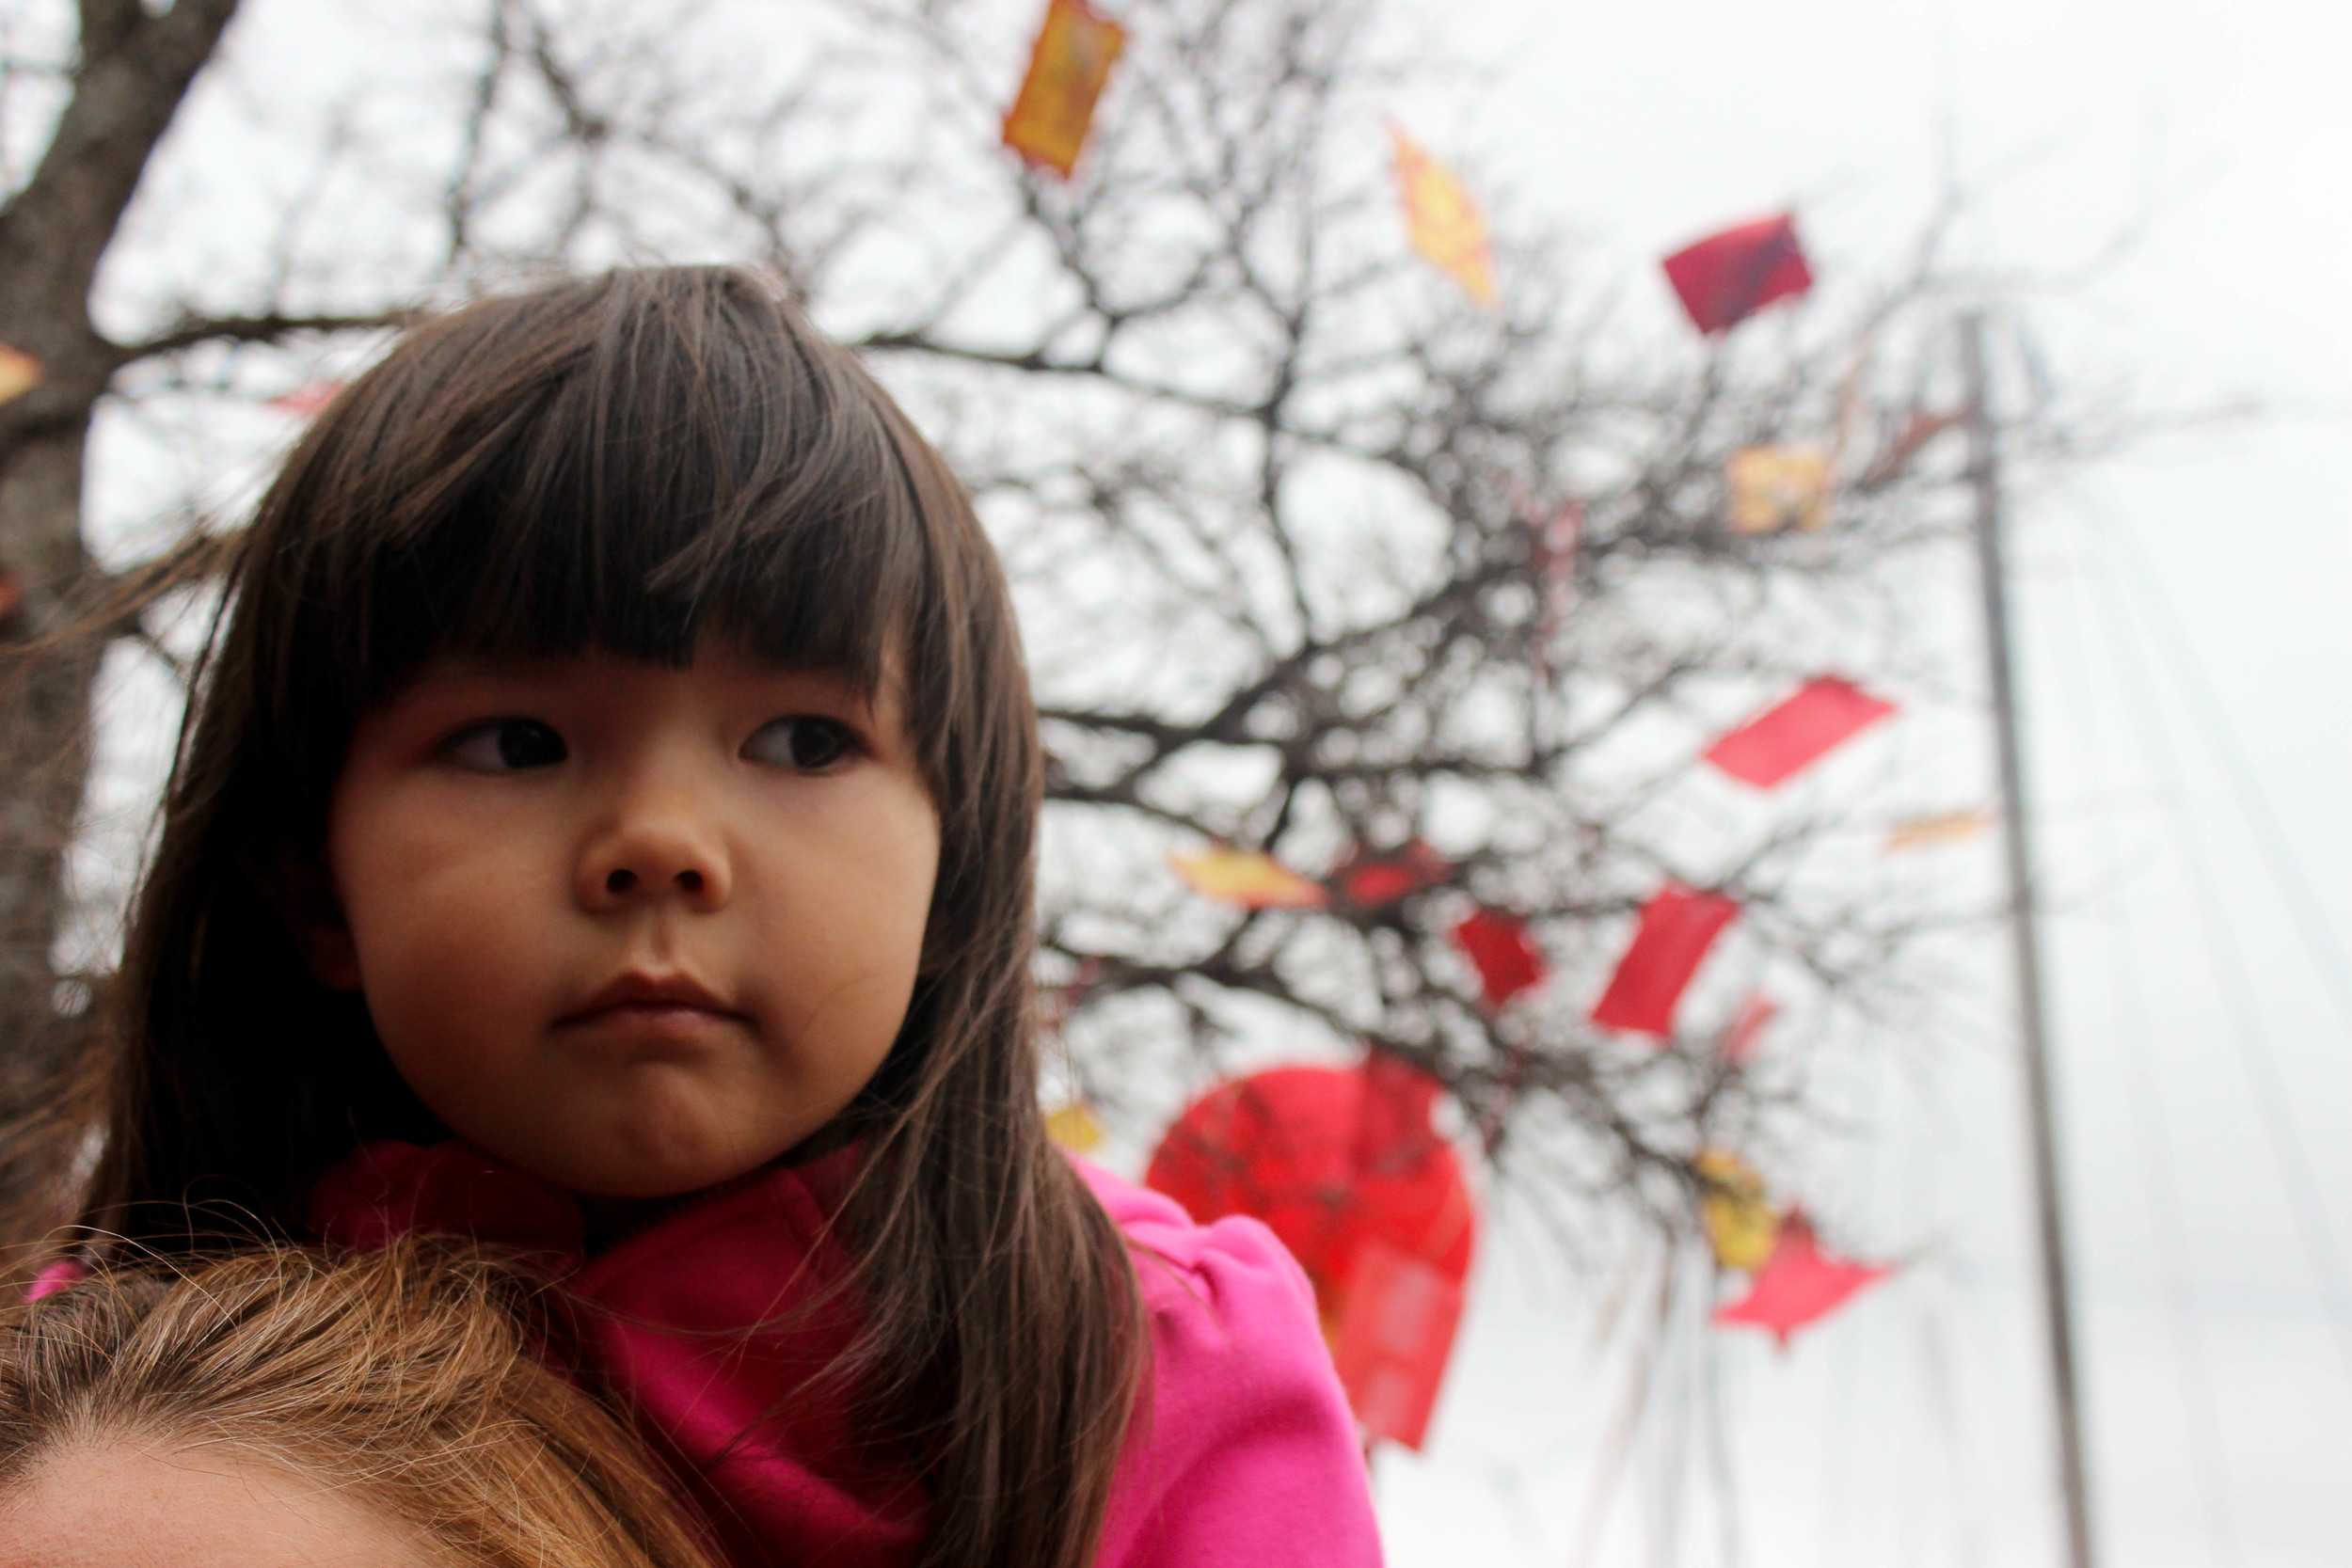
{"x":1395,"y":1330}
{"x":1755,"y":1014}
{"x":1507,"y":959}
{"x":1072,"y":61}
{"x":1785,"y":740}
{"x":1799,"y":1285}
{"x":1726,"y":277}
{"x":1678,"y":927}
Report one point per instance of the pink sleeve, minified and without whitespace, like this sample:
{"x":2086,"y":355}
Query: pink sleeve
{"x":1248,"y":1454}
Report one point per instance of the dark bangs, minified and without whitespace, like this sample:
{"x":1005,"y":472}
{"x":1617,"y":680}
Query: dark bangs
{"x":628,"y":464}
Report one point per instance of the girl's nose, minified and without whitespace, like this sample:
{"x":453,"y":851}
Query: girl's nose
{"x":652,"y":854}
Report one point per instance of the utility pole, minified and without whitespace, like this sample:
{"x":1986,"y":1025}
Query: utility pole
{"x":2040,"y":1109}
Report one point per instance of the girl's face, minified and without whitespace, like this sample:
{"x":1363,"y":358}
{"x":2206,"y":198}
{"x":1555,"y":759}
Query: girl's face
{"x":636,"y":930}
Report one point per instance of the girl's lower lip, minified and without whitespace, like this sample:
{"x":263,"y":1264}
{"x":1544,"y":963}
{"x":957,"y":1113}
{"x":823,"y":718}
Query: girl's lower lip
{"x":657,"y":1023}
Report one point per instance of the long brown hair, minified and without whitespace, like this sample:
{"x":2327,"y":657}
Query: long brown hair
{"x":626,"y":462}
{"x":395,"y":1374}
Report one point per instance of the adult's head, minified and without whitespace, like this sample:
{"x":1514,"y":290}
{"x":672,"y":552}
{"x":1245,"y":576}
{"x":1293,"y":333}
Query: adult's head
{"x":282,"y":1407}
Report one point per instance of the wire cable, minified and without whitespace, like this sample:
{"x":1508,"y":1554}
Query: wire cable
{"x":2235,"y":976}
{"x":2331,"y":958}
{"x":2199,"y":1408}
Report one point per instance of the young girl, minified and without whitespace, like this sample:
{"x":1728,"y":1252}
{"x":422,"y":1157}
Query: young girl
{"x":605,"y":824}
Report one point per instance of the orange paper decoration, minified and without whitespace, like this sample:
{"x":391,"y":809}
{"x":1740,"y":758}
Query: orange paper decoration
{"x":1772,"y":487}
{"x":1075,"y":1128}
{"x":1950,"y":827}
{"x":1799,"y":1285}
{"x":1442,"y":221}
{"x":1742,"y":1227}
{"x":1250,"y":877}
{"x":1049,"y":119}
{"x":19,"y":372}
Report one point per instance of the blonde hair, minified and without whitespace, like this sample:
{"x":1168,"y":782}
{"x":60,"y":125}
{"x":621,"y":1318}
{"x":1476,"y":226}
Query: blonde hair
{"x":405,"y":1375}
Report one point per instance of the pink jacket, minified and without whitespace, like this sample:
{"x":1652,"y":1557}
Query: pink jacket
{"x":1247,"y":1456}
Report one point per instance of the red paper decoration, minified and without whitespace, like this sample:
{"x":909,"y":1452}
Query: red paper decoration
{"x":1377,"y":882}
{"x":1504,"y":953}
{"x":1755,"y":1015}
{"x":1396,"y":1331}
{"x":1678,"y":927}
{"x":1790,"y":736}
{"x":1799,"y":1285}
{"x":306,"y":401}
{"x":1345,"y":1166}
{"x":1726,"y":277}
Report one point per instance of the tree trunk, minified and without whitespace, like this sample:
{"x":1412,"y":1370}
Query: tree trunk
{"x":44,"y":764}
{"x":133,"y":70}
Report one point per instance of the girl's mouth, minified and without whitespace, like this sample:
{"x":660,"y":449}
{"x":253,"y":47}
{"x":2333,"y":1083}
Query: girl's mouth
{"x":652,"y":999}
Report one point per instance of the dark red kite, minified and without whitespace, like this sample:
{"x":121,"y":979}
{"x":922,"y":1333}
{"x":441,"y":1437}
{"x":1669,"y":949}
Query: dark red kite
{"x":1500,"y":946}
{"x":1799,"y":1284}
{"x":1678,"y":927}
{"x":1726,"y":277}
{"x":1790,"y":736}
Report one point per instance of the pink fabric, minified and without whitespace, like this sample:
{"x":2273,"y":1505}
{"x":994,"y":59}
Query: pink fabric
{"x":1247,"y":1450}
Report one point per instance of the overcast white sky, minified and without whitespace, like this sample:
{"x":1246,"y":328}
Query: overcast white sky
{"x":2193,"y":1026}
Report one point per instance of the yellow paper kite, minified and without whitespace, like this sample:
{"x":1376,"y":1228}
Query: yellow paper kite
{"x":1249,"y":877}
{"x":1075,"y":1128}
{"x":1741,"y":1224}
{"x":1772,"y":487}
{"x":1049,"y":119}
{"x":19,"y":372}
{"x":1950,"y":827}
{"x":1442,"y":221}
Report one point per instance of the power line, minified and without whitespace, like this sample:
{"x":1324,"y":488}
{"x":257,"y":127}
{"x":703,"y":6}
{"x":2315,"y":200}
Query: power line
{"x":2234,"y":977}
{"x":2201,"y":1410}
{"x":2330,"y":957}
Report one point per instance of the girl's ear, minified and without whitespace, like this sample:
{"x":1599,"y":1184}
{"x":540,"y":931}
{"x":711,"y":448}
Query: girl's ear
{"x":306,"y":901}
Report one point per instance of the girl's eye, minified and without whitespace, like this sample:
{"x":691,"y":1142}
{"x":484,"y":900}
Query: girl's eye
{"x":506,"y":746}
{"x":803,"y":741}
